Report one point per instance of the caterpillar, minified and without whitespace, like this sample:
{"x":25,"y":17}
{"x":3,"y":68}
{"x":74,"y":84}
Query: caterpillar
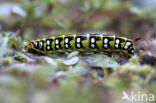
{"x":81,"y":43}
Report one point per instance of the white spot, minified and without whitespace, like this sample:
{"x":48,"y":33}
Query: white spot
{"x":41,"y":43}
{"x":57,"y":46}
{"x":128,"y":43}
{"x":92,"y":40}
{"x":66,"y":45}
{"x":66,"y":40}
{"x":36,"y":43}
{"x":48,"y":42}
{"x":78,"y":45}
{"x":117,"y":41}
{"x":78,"y":40}
{"x":48,"y":47}
{"x":92,"y":45}
{"x":132,"y":51}
{"x":32,"y":45}
{"x":105,"y":40}
{"x":125,"y":47}
{"x":56,"y":41}
{"x":116,"y":45}
{"x":105,"y":45}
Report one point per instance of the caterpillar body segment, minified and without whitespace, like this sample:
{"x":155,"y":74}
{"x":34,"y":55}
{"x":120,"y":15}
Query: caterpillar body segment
{"x":81,"y":43}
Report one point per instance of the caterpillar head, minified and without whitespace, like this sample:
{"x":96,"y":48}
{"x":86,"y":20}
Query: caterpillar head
{"x":129,"y":46}
{"x":131,"y":50}
{"x":30,"y":47}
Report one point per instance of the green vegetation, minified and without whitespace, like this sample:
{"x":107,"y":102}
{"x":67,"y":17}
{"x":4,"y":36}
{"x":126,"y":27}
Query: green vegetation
{"x":95,"y":78}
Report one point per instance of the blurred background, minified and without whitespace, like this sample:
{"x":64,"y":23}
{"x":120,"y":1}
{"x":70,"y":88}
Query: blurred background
{"x":84,"y":79}
{"x":33,"y":18}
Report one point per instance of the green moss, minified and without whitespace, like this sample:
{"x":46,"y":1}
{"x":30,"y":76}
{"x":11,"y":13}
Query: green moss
{"x":152,"y":86}
{"x":62,"y":66}
{"x":145,"y":69}
{"x":118,"y":84}
{"x":19,"y":58}
{"x":134,"y":67}
{"x":134,"y":59}
{"x":7,"y":60}
{"x":42,"y":75}
{"x":3,"y":34}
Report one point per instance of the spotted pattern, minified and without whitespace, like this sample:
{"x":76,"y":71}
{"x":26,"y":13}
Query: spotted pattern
{"x":42,"y":45}
{"x":118,"y":42}
{"x":131,"y":51}
{"x":49,"y":43}
{"x":106,"y":42}
{"x":58,"y":43}
{"x":84,"y":42}
{"x":32,"y":44}
{"x":127,"y":45}
{"x":67,"y":40}
{"x":78,"y":41}
{"x":93,"y":41}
